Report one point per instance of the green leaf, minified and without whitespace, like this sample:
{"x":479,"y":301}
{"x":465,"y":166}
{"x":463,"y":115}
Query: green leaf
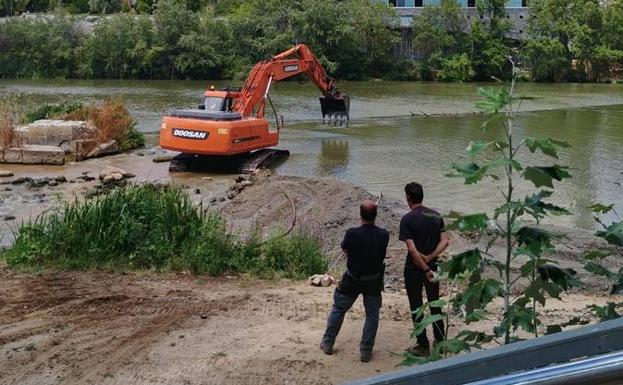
{"x":470,"y":171}
{"x":613,"y":233}
{"x":562,"y":277}
{"x":421,"y":326}
{"x":547,"y":146}
{"x":493,"y":99}
{"x":601,"y":208}
{"x":535,"y":240}
{"x":479,"y":294}
{"x":535,"y":207}
{"x":543,"y":176}
{"x":467,"y":261}
{"x":472,"y":222}
{"x":451,"y":345}
{"x":475,"y":147}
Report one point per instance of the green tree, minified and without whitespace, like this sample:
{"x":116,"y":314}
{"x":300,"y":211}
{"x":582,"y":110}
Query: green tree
{"x":524,"y":245}
{"x":439,"y":32}
{"x":546,"y":59}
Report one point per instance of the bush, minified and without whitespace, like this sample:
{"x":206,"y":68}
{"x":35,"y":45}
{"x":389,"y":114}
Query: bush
{"x":457,"y":68}
{"x":296,"y":256}
{"x":52,"y":111}
{"x":145,"y":227}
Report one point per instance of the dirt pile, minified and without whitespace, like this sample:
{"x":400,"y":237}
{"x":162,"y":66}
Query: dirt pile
{"x":324,"y":206}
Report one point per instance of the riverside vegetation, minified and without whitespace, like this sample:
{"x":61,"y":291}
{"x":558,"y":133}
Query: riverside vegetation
{"x":575,"y":40}
{"x":148,"y":227}
{"x":524,"y":290}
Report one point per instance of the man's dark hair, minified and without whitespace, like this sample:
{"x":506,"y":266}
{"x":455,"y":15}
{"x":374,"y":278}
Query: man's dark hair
{"x":415,"y":193}
{"x":367,"y":210}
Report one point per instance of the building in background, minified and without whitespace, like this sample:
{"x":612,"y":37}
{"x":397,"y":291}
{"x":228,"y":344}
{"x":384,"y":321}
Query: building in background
{"x":516,"y":11}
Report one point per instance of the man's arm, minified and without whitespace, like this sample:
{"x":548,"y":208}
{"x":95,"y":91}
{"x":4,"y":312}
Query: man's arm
{"x":444,"y":241}
{"x":417,"y":257}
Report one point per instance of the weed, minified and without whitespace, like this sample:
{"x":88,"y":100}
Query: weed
{"x":151,"y":228}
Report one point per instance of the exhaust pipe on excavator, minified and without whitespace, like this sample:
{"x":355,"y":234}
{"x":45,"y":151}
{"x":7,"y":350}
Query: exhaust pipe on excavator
{"x":335,"y":108}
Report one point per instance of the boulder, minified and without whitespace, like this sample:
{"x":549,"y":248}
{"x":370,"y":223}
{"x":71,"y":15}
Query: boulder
{"x":5,"y":173}
{"x":111,"y":174}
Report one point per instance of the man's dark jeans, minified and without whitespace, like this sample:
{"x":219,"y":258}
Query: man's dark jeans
{"x":415,"y":280}
{"x":341,"y":304}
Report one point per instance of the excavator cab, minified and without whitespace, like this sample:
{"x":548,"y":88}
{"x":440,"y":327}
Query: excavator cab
{"x":221,"y":100}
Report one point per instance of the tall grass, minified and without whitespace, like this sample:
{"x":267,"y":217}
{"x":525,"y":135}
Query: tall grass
{"x":144,"y":227}
{"x":9,"y":118}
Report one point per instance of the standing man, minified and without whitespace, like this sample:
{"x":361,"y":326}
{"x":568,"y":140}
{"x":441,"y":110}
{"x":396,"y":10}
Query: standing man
{"x":422,"y":230}
{"x":365,"y":247}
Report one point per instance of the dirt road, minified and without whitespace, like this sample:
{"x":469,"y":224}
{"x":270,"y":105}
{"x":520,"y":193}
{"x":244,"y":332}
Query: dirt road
{"x":109,"y":328}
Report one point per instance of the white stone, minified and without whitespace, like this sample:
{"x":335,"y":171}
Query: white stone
{"x":5,"y":173}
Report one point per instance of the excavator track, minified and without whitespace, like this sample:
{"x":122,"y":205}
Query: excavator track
{"x":263,"y":159}
{"x":244,"y":164}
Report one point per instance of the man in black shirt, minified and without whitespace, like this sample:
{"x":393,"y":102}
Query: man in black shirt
{"x":422,"y":230}
{"x":365,"y":247}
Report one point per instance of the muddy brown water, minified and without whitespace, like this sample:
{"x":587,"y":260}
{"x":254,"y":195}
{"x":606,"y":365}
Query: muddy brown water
{"x":385,"y":146}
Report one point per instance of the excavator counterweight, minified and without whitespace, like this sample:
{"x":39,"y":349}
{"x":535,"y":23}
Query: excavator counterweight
{"x":232,"y":123}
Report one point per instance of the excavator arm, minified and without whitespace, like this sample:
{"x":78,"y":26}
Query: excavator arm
{"x":295,"y":61}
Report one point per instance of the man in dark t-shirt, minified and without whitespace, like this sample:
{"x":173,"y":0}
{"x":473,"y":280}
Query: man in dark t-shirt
{"x":365,"y":248}
{"x":422,"y":230}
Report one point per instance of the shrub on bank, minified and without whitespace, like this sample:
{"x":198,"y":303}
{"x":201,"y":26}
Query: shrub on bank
{"x":150,"y":228}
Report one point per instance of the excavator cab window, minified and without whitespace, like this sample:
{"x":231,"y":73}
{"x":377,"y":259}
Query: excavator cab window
{"x":214,"y":103}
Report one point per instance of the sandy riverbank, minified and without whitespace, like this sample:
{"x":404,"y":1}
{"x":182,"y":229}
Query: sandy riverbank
{"x":145,"y":328}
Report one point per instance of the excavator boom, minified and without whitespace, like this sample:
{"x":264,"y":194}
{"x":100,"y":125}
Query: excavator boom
{"x":295,"y":61}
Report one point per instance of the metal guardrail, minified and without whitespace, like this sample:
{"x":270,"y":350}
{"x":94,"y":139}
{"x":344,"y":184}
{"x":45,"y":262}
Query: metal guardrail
{"x":588,"y":341}
{"x":606,"y":369}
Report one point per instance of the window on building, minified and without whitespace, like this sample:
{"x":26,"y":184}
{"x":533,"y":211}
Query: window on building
{"x":471,"y":3}
{"x":419,"y":3}
{"x":524,"y":3}
{"x":392,"y":3}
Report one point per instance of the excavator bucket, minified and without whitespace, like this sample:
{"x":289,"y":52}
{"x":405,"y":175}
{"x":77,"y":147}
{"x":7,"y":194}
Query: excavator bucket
{"x":335,"y":108}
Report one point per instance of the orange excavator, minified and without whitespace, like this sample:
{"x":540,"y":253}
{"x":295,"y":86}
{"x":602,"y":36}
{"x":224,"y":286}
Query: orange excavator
{"x":230,"y":126}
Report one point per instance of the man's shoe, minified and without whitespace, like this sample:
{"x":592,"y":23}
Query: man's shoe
{"x":326,"y":347}
{"x":365,"y":355}
{"x":419,"y":350}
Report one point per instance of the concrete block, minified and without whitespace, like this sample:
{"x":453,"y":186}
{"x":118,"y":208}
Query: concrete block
{"x":54,"y":132}
{"x":12,"y":155}
{"x":38,"y":154}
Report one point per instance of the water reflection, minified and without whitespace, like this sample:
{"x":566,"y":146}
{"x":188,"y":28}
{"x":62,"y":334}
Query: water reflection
{"x":333,"y":157}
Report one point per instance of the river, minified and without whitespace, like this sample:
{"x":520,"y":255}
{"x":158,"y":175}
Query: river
{"x":385,"y":146}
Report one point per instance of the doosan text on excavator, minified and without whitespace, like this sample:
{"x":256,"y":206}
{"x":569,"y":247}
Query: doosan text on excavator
{"x":230,"y":125}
